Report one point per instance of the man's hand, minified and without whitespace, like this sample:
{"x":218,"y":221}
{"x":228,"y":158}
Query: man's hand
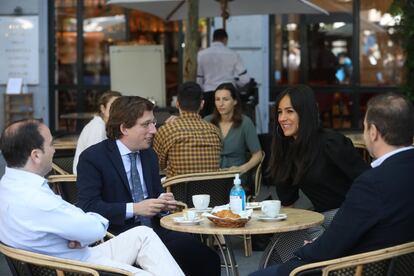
{"x":74,"y":245}
{"x":150,"y":207}
{"x":171,"y":202}
{"x":305,"y":242}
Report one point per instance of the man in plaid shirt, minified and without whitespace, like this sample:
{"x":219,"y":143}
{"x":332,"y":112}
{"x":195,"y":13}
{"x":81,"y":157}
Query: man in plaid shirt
{"x":188,"y":144}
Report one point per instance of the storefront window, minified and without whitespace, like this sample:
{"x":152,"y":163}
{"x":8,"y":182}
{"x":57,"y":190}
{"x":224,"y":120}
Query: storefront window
{"x":381,"y":56}
{"x":77,"y":89}
{"x":103,"y":26}
{"x":287,"y":50}
{"x":66,"y":39}
{"x":329,"y":42}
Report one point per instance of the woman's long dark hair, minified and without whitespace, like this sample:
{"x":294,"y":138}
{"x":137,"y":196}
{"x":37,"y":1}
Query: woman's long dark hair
{"x":290,"y":158}
{"x":237,"y":112}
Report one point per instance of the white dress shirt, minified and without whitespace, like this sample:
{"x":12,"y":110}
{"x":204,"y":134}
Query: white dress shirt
{"x":218,"y":64}
{"x":124,"y":151}
{"x":33,"y":218}
{"x":93,"y":133}
{"x":379,"y":161}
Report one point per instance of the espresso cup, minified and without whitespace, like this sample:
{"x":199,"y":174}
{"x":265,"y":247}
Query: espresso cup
{"x":271,"y":208}
{"x":190,"y":215}
{"x":201,"y":201}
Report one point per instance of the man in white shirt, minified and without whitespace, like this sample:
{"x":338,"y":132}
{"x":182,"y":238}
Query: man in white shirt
{"x":216,"y":65}
{"x":33,"y":218}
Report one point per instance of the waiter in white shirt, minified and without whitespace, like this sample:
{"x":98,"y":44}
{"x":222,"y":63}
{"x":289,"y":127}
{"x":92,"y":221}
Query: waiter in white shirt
{"x":218,"y":64}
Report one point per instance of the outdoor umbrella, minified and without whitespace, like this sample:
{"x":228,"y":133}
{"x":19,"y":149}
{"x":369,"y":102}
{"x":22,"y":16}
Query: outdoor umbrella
{"x":171,"y":10}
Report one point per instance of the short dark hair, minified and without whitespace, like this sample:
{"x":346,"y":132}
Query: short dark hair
{"x":237,"y":112}
{"x":106,"y":97}
{"x":18,"y":140}
{"x":125,"y":110}
{"x":219,"y":35}
{"x":393,"y":116}
{"x":190,"y":96}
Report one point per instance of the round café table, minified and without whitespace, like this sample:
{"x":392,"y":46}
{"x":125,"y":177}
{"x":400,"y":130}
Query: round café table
{"x":297,"y":219}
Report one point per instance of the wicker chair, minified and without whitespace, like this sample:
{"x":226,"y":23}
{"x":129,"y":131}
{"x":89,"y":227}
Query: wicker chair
{"x":258,"y":179}
{"x":217,"y":184}
{"x":63,"y":159}
{"x":65,"y":186}
{"x":396,"y":261}
{"x":25,"y":263}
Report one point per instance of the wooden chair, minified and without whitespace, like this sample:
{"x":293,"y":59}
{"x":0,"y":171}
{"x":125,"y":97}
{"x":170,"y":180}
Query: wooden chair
{"x":217,"y":184}
{"x":65,"y":186}
{"x":257,"y":179}
{"x":63,"y":159}
{"x":396,"y":261}
{"x":25,"y":263}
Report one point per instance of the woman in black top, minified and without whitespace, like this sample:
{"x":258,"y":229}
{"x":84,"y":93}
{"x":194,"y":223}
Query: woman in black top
{"x":322,"y":163}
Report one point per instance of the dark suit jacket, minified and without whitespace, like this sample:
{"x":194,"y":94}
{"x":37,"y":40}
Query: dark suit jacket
{"x":378,"y":212}
{"x":103,"y":184}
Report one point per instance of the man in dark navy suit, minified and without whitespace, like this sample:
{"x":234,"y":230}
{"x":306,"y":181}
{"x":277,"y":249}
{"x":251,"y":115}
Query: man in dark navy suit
{"x":119,"y":179}
{"x":378,"y":211}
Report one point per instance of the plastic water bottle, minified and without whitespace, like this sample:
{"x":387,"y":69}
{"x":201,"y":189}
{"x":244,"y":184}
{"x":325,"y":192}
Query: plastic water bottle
{"x":237,"y":196}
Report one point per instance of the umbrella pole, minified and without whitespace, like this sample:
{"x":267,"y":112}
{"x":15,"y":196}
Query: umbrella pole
{"x":191,"y":42}
{"x":224,"y":12}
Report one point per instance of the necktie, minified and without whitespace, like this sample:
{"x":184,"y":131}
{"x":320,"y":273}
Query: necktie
{"x":136,"y":187}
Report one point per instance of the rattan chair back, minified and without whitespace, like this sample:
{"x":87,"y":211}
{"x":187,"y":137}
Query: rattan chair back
{"x":25,"y":263}
{"x":63,"y":159}
{"x":65,"y":186}
{"x":216,"y":184}
{"x":396,"y":260}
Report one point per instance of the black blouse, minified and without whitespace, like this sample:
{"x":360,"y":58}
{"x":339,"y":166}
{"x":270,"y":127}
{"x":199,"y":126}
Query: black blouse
{"x":329,"y":177}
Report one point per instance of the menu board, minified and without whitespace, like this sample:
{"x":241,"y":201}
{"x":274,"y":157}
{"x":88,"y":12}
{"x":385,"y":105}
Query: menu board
{"x":19,"y":48}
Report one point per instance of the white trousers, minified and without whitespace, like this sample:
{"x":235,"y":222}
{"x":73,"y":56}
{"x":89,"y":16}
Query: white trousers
{"x":140,"y":246}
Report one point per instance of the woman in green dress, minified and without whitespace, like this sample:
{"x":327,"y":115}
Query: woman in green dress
{"x":239,"y":137}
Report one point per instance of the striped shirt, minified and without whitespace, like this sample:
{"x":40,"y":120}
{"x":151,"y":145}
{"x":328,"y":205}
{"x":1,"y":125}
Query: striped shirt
{"x":188,"y":145}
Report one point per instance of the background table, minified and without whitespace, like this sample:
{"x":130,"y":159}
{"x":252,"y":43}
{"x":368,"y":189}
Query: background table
{"x":297,"y":219}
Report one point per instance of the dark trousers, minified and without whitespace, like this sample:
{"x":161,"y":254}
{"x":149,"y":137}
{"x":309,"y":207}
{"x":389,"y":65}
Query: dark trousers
{"x":282,"y":269}
{"x":192,"y":256}
{"x":209,"y":103}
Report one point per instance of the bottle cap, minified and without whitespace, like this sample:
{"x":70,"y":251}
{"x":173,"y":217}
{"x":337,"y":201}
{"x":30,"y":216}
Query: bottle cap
{"x":237,"y":179}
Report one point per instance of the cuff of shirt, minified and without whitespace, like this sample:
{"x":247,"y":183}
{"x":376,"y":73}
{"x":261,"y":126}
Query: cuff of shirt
{"x":129,"y":210}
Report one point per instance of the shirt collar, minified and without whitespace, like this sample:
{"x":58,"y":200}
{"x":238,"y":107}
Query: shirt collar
{"x":123,"y":150}
{"x":186,"y":114}
{"x":379,"y":161}
{"x":217,"y":43}
{"x":24,"y":176}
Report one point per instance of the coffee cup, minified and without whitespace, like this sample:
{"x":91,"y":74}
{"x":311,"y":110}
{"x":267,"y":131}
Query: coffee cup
{"x":201,"y":201}
{"x":271,"y":208}
{"x":190,"y":215}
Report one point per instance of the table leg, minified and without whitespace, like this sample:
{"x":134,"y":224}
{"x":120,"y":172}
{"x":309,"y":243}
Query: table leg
{"x":228,"y":255}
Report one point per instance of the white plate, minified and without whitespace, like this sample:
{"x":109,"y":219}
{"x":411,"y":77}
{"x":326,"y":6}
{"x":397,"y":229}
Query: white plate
{"x":203,"y":210}
{"x":183,"y":221}
{"x":278,"y":217}
{"x":253,"y":205}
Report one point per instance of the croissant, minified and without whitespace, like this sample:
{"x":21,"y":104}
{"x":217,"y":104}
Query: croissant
{"x":226,"y":214}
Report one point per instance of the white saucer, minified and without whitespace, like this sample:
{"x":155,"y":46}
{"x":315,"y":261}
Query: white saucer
{"x":203,"y":210}
{"x":277,"y":218}
{"x":183,"y":221}
{"x":253,"y":205}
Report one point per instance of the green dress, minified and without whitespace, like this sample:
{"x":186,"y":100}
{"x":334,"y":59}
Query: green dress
{"x":239,"y":143}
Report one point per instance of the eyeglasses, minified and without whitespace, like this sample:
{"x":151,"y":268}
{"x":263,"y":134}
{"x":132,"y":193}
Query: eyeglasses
{"x":148,"y":123}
